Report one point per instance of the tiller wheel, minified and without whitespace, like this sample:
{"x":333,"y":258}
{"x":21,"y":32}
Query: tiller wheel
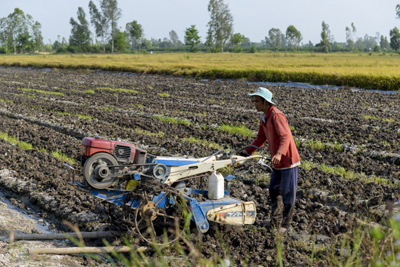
{"x":162,"y":212}
{"x":159,"y":216}
{"x":97,"y":169}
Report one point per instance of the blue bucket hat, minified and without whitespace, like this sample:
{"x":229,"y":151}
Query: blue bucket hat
{"x":264,"y":93}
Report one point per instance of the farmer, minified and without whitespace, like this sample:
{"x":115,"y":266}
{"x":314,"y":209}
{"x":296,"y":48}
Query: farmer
{"x":274,"y":129}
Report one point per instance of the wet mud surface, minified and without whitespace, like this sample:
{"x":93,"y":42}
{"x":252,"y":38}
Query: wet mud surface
{"x":328,"y":205}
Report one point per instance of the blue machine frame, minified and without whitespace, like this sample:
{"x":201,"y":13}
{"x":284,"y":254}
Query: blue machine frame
{"x":199,"y":209}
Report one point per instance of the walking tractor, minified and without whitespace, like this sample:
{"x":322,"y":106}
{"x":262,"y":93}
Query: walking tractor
{"x":155,"y":199}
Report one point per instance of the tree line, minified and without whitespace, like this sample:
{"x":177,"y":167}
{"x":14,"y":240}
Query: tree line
{"x":19,"y":33}
{"x":104,"y":18}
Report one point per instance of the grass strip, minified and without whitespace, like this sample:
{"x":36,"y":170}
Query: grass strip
{"x":184,"y":121}
{"x":368,"y":117}
{"x":164,"y":94}
{"x":83,"y":116}
{"x":118,"y":90}
{"x":202,"y":142}
{"x":141,"y":131}
{"x":173,"y":120}
{"x":27,"y":146}
{"x":348,"y":174}
{"x":242,"y":129}
{"x":6,"y":100}
{"x":137,"y":105}
{"x":14,"y":141}
{"x":62,"y":157}
{"x":41,"y":91}
{"x":105,"y":108}
{"x":318,"y":145}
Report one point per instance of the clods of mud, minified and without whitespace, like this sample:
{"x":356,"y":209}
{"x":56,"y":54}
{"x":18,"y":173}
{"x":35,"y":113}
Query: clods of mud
{"x":54,"y":110}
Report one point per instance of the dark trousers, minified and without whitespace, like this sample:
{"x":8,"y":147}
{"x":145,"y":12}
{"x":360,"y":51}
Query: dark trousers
{"x":284,"y":183}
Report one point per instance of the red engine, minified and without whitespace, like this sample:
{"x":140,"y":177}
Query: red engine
{"x":123,"y":152}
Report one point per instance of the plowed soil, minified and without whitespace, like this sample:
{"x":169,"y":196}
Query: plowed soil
{"x":328,"y":205}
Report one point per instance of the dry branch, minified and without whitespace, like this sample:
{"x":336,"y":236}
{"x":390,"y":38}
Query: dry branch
{"x":90,"y":235}
{"x":78,"y":250}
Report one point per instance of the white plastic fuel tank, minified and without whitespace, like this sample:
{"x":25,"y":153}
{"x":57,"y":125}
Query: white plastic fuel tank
{"x":215,"y":186}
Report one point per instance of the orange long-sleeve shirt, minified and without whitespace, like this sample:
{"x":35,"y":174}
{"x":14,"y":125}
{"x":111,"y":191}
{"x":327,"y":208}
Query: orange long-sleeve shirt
{"x":274,"y":129}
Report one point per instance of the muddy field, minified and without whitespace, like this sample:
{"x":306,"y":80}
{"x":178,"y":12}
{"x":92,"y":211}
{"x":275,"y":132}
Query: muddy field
{"x":355,"y":133}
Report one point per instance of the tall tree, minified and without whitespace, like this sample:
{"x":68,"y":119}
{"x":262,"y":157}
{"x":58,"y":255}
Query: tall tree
{"x":17,"y":30}
{"x":209,"y":39}
{"x":349,"y":39}
{"x":293,"y":36}
{"x":20,"y":32}
{"x":349,"y":36}
{"x":236,"y":40}
{"x":120,"y":41}
{"x":192,"y":37}
{"x":384,"y":43}
{"x":354,"y":30}
{"x":174,"y":38}
{"x":56,"y":45}
{"x":221,"y":23}
{"x":326,"y":38}
{"x":64,"y":42}
{"x":134,"y":31}
{"x":395,"y":39}
{"x":80,"y":33}
{"x":113,"y":13}
{"x":106,"y":21}
{"x":37,"y":35}
{"x":398,"y":11}
{"x":24,"y":43}
{"x":3,"y":31}
{"x":246,"y":42}
{"x":274,"y":38}
{"x":100,"y":23}
{"x":283,"y":40}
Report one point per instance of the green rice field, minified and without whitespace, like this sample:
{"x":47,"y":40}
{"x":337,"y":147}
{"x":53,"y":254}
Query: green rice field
{"x":362,"y":70}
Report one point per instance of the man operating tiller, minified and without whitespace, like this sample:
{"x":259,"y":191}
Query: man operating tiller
{"x":274,"y":129}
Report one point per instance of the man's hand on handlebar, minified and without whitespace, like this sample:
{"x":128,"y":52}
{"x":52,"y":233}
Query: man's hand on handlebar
{"x":277,"y":158}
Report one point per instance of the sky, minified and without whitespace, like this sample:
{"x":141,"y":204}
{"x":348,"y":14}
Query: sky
{"x":252,"y":18}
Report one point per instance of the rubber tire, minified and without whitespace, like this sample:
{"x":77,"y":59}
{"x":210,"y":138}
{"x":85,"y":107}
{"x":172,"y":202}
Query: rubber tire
{"x":88,"y":170}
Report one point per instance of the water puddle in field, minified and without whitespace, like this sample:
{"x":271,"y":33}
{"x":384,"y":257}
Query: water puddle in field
{"x":25,"y":217}
{"x":326,"y":87}
{"x":297,"y":84}
{"x":42,"y":226}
